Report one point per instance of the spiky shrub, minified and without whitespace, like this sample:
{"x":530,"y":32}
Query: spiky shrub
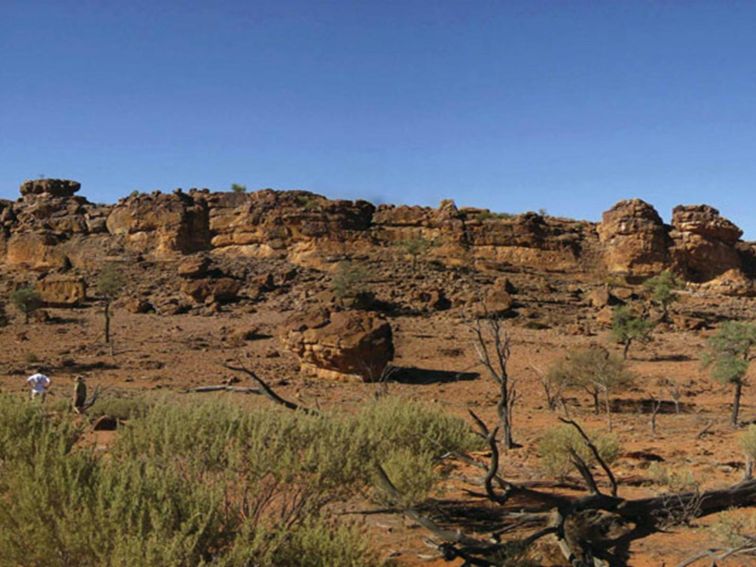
{"x":663,"y":290}
{"x":192,"y":485}
{"x":628,"y":327}
{"x":728,"y":358}
{"x":557,"y":444}
{"x":207,"y":483}
{"x":238,"y":188}
{"x":27,"y":300}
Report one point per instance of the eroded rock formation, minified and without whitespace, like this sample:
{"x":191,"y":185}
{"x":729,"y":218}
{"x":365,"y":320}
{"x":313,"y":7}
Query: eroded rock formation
{"x":52,"y":228}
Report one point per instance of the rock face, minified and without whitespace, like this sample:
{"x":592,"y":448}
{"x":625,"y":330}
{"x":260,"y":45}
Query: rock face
{"x":160,"y":224}
{"x":52,"y":228}
{"x":54,"y":187}
{"x":704,"y":243}
{"x":62,"y":291}
{"x":635,"y":239}
{"x":345,"y":345}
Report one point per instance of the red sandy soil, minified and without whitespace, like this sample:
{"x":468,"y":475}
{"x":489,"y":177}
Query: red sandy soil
{"x":173,"y":353}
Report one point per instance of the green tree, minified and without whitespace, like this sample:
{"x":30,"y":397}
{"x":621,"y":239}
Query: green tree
{"x":27,"y":300}
{"x":595,"y":370}
{"x":663,"y":289}
{"x":627,"y":327}
{"x":728,"y":358}
{"x":416,"y":248}
{"x":238,"y":188}
{"x":110,"y":283}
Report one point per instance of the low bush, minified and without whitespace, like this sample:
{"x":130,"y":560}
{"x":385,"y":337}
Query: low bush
{"x":555,"y":447}
{"x":207,"y":483}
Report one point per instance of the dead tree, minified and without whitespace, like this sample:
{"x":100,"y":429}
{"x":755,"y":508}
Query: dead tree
{"x":493,"y":346}
{"x":591,"y":531}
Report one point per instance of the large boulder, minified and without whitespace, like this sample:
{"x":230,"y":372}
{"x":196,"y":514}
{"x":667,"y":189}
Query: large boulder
{"x":212,"y":290}
{"x":53,"y":187}
{"x":635,"y":240}
{"x":344,"y":345}
{"x":62,"y":291}
{"x":35,"y":250}
{"x":704,"y":242}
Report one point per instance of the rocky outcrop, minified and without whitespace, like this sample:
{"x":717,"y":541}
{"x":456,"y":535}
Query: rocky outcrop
{"x":52,"y":228}
{"x":635,"y":240}
{"x":344,"y":345}
{"x":162,"y":225}
{"x":62,"y":291}
{"x":36,"y":250}
{"x":704,"y":243}
{"x":53,"y":187}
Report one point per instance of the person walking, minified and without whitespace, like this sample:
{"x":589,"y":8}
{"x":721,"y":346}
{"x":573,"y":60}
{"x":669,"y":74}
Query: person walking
{"x":39,"y":384}
{"x":79,"y":394}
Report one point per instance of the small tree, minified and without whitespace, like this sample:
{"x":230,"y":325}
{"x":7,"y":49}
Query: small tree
{"x":238,"y":188}
{"x":627,"y":327}
{"x":416,"y":248}
{"x":728,"y":358}
{"x":663,"y":289}
{"x":110,"y":282}
{"x":595,"y":370}
{"x":27,"y":300}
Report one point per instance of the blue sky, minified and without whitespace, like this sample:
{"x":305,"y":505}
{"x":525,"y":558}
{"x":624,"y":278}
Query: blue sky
{"x":567,"y":106}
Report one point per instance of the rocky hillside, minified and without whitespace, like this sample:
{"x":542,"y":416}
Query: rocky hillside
{"x":50,"y":227}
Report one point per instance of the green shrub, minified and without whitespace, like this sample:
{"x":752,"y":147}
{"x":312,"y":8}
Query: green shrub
{"x":554,"y":449}
{"x":27,"y":300}
{"x":672,"y":479}
{"x":207,"y":483}
{"x":349,"y":280}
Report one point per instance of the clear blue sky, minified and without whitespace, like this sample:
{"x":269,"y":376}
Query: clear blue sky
{"x":569,"y":106}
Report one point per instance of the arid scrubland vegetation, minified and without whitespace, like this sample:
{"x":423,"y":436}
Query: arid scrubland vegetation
{"x":279,"y":379}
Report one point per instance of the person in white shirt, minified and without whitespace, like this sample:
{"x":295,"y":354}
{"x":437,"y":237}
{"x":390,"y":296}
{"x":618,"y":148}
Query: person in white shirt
{"x":39,"y":384}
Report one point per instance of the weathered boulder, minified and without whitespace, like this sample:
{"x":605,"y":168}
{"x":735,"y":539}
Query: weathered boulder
{"x":207,"y":290}
{"x":62,"y":291}
{"x":498,"y":299}
{"x":193,"y":267}
{"x":601,"y":297}
{"x":704,"y":242}
{"x":36,"y":250}
{"x":344,"y":345}
{"x":635,"y":239}
{"x":53,"y":187}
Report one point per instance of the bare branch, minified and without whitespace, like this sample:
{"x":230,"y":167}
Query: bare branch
{"x":269,"y":392}
{"x":594,"y":450}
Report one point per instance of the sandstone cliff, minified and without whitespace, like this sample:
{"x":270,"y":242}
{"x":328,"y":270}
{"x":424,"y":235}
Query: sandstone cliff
{"x":52,"y":228}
